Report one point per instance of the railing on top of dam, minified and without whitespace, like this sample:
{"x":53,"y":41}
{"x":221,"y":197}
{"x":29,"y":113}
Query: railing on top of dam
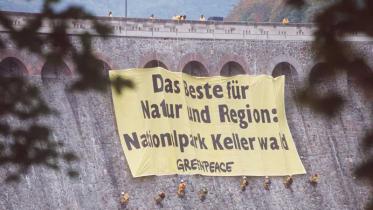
{"x":186,"y":29}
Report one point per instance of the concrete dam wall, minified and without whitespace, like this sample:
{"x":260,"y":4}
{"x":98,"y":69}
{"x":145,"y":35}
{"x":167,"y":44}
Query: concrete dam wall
{"x":86,"y":122}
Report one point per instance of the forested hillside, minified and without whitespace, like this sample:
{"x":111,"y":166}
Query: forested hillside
{"x":274,"y":11}
{"x":136,"y":8}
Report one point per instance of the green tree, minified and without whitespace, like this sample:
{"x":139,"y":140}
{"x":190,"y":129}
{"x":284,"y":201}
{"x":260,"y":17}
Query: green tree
{"x":23,"y":146}
{"x":336,"y":21}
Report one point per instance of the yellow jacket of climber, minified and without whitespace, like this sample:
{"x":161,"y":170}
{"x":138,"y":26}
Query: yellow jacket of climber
{"x":285,"y":21}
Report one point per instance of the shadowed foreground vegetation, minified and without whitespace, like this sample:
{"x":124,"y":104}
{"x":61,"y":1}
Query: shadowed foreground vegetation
{"x":24,"y":141}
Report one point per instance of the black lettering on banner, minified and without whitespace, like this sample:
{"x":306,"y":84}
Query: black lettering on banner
{"x":244,"y":144}
{"x":228,"y":143}
{"x":131,"y":141}
{"x":186,"y":88}
{"x":218,"y":91}
{"x":144,"y":141}
{"x":274,"y":145}
{"x":204,"y":166}
{"x":251,"y":140}
{"x":256,"y":116}
{"x":164,"y":137}
{"x":205,"y":115}
{"x":156,"y":141}
{"x":217,"y":167}
{"x":265,"y":116}
{"x":212,"y":167}
{"x":193,"y":164}
{"x":222,"y":167}
{"x":207,"y":89}
{"x":199,"y":92}
{"x":284,"y":143}
{"x":163,"y":109}
{"x":223,"y":113}
{"x":179,"y":164}
{"x":233,"y":114}
{"x":186,"y":165}
{"x":263,"y":143}
{"x":157,"y":87}
{"x":150,"y":112}
{"x":183,"y":138}
{"x":192,"y":91}
{"x":229,"y":166}
{"x":215,"y":141}
{"x":145,"y":109}
{"x":236,"y":91}
{"x":202,"y":144}
{"x":241,"y":116}
{"x":177,"y":86}
{"x":167,"y":85}
{"x":155,"y":111}
{"x":192,"y":141}
{"x":195,"y":115}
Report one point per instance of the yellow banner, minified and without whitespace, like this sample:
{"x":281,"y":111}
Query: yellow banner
{"x":173,"y":123}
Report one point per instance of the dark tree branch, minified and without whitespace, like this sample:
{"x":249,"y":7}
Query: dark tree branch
{"x":31,"y":144}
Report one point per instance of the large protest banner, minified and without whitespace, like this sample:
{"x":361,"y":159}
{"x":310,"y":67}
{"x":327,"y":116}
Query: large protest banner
{"x":173,"y":123}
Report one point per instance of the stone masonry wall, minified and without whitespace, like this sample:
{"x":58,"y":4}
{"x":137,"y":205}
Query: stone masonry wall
{"x":86,"y":124}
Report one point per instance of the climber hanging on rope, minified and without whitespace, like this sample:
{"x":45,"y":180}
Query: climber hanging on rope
{"x":243,"y":183}
{"x":181,"y":189}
